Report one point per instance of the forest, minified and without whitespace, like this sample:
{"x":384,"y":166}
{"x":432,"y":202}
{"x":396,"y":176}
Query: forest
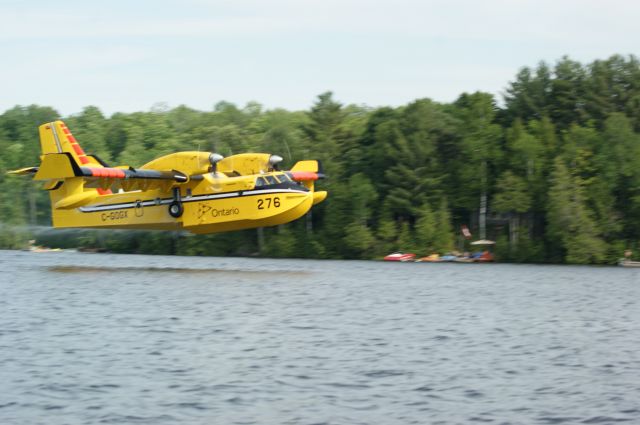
{"x":553,"y":165}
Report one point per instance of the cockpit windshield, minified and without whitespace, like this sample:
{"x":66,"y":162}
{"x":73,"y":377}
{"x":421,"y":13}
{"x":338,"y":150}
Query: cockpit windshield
{"x":282,"y":181}
{"x":271,"y":179}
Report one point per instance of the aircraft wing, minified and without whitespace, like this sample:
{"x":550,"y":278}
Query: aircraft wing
{"x":57,"y":167}
{"x":132,"y":173}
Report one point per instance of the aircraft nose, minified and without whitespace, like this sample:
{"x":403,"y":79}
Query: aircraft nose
{"x":319,"y":196}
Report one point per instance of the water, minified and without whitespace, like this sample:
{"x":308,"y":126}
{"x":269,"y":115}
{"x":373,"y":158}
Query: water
{"x":97,"y":338}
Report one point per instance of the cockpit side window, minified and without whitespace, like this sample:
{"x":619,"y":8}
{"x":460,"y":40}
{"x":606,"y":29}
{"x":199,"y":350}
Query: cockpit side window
{"x":260,"y":181}
{"x":271,"y":179}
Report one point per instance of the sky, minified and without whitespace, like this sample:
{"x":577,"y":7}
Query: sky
{"x":126,"y":55}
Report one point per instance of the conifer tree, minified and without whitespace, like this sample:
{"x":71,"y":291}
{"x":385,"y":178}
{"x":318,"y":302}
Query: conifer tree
{"x":571,"y":224}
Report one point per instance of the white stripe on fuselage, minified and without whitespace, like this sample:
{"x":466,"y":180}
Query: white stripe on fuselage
{"x":166,"y":201}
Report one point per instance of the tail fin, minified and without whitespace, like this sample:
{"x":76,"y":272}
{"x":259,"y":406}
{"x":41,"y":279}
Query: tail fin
{"x":61,"y":158}
{"x":62,"y":167}
{"x":55,"y":137}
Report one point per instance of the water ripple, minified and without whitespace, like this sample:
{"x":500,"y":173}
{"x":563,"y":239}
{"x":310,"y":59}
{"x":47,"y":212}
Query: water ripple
{"x":160,"y":340}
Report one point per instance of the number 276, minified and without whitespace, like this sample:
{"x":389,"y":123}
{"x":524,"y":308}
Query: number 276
{"x":268,"y":203}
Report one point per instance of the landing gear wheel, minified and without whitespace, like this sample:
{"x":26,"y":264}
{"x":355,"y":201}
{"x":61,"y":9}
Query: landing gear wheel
{"x":176,"y":209}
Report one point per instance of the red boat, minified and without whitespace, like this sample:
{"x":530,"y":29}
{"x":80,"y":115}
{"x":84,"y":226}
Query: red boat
{"x":400,"y":256}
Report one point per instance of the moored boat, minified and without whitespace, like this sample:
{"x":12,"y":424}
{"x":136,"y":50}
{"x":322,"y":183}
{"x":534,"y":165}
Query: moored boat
{"x":484,"y":257}
{"x":433,"y":258}
{"x":400,"y":256}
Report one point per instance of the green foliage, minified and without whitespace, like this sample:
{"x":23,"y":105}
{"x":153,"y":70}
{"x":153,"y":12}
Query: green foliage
{"x":571,"y":223}
{"x":559,"y":164}
{"x":387,"y":233}
{"x":433,"y":230}
{"x":406,"y":241}
{"x":512,"y":194}
{"x":528,"y":250}
{"x":280,"y":243}
{"x":444,"y":238}
{"x":12,"y":237}
{"x":359,"y":240}
{"x":362,"y":194}
{"x":478,"y":151}
{"x":426,"y":230}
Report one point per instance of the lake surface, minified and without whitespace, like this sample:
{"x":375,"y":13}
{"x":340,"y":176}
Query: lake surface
{"x":129,"y":339}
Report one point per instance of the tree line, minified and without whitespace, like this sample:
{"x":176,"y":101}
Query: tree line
{"x":553,"y":169}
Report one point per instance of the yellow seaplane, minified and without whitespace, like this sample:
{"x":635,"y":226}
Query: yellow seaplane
{"x":200,"y":192}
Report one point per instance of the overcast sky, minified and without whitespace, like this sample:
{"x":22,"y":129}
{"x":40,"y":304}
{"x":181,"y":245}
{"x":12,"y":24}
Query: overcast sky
{"x":124,"y":55}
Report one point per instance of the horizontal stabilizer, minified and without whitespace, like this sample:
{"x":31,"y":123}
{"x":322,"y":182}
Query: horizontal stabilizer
{"x":24,"y":171}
